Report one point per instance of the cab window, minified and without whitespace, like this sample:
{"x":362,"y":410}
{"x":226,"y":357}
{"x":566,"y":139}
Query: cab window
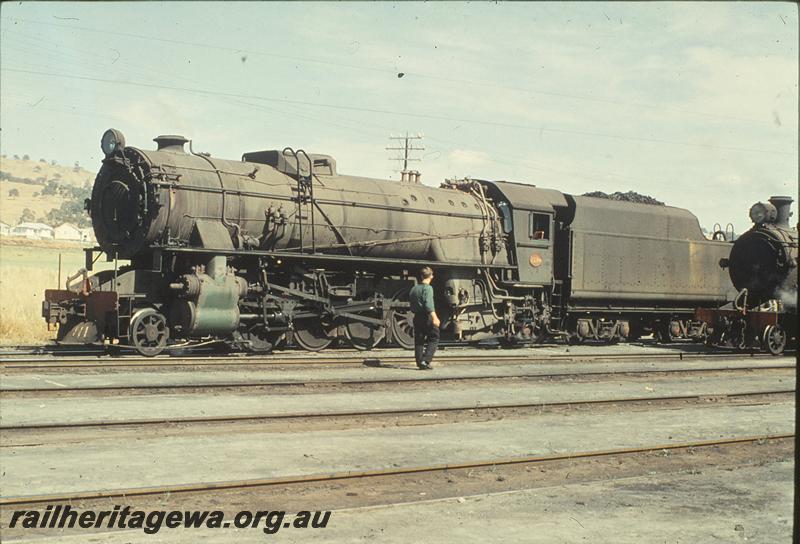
{"x":505,"y":211}
{"x":539,"y":226}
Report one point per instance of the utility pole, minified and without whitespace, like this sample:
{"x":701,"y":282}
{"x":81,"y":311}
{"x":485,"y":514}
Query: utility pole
{"x":407,"y":175}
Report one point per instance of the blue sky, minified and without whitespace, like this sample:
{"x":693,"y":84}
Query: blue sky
{"x":693,"y":103}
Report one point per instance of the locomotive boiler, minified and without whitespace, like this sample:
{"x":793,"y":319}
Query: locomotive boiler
{"x":279,"y":247}
{"x":763,"y":268}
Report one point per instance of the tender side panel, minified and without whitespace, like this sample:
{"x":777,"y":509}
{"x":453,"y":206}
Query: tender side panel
{"x":608,"y":266}
{"x":624,"y":251}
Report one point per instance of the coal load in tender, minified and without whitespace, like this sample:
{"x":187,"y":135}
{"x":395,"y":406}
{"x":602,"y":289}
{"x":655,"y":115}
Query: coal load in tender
{"x":630,"y":196}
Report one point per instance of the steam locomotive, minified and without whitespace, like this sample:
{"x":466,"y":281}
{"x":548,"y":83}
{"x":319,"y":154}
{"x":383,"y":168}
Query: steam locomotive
{"x":280,"y":248}
{"x":763,"y":268}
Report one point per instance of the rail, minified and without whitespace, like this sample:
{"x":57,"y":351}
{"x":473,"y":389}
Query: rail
{"x":205,"y":487}
{"x":373,"y":413}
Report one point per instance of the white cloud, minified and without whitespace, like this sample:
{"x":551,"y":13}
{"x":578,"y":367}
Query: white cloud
{"x":467,"y":157}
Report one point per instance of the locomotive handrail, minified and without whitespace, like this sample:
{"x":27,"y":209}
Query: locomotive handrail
{"x":301,"y":182}
{"x":299,"y":195}
{"x":321,"y":256}
{"x":310,"y":181}
{"x":729,"y":232}
{"x":742,"y":295}
{"x":271,"y":196}
{"x":372,"y":243}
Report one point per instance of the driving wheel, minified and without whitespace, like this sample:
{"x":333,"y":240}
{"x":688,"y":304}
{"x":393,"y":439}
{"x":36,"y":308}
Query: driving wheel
{"x":364,"y":336}
{"x":313,"y":335}
{"x":148,"y":332}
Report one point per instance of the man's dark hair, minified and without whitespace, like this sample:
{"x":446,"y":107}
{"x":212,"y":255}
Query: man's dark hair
{"x":425,"y":273}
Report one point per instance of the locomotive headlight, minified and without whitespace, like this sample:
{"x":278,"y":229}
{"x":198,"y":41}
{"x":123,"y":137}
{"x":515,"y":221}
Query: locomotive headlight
{"x":111,"y":142}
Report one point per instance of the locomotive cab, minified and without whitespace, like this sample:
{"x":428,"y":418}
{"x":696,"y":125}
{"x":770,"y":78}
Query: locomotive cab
{"x":529,"y":217}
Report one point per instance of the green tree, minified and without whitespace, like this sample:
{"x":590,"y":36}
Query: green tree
{"x":51,"y":188}
{"x":71,"y":211}
{"x":26,"y":157}
{"x":13,"y":193}
{"x":27,"y":216}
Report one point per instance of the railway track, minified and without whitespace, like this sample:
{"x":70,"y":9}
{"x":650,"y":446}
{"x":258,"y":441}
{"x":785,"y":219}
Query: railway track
{"x":649,"y":401}
{"x":424,"y":378}
{"x":206,"y":487}
{"x":358,"y":358}
{"x":105,"y":353}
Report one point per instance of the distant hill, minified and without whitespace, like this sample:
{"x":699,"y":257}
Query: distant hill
{"x":44,"y":188}
{"x":42,"y":170}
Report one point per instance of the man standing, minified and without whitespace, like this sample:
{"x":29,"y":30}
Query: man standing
{"x":426,"y":322}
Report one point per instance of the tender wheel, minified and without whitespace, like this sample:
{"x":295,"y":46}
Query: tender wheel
{"x":579,"y":332}
{"x":313,"y":335}
{"x":148,"y":332}
{"x":668,"y":331}
{"x":402,"y":321}
{"x":774,"y":339}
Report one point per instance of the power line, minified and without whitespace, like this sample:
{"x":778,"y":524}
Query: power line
{"x":393,"y":72}
{"x":237,"y":50}
{"x":407,"y":147}
{"x":49,"y":50}
{"x":593,"y":175}
{"x":72,"y":109}
{"x":540,"y":129}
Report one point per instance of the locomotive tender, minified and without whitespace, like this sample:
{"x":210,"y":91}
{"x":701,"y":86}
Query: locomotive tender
{"x":280,"y":247}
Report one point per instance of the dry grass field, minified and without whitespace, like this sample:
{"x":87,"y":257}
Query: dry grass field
{"x":27,"y":268}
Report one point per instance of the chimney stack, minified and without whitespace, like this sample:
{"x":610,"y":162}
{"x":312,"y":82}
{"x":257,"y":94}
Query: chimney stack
{"x":170,"y":142}
{"x":784,"y":205}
